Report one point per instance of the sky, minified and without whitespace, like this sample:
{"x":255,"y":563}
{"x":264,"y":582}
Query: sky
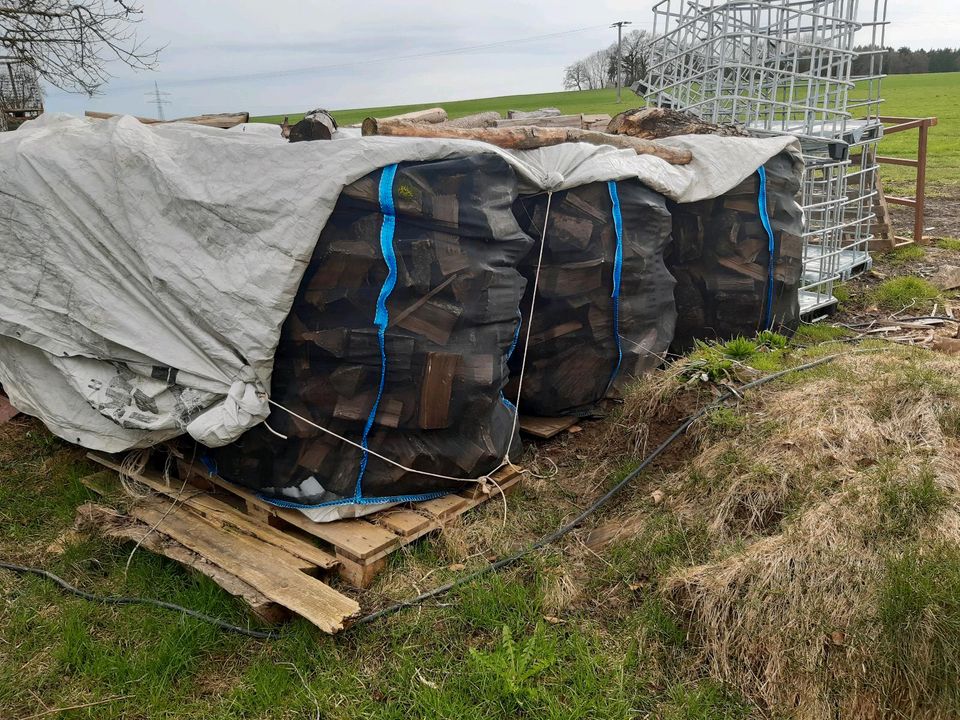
{"x":288,"y":56}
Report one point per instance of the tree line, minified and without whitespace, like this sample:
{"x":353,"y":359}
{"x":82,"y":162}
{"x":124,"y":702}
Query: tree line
{"x":599,"y":69}
{"x":904,"y":60}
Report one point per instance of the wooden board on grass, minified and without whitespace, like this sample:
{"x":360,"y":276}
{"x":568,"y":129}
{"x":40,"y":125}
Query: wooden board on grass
{"x":545,"y":427}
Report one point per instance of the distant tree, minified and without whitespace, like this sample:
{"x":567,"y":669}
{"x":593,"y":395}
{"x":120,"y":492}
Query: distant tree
{"x":634,"y":58}
{"x":596,"y":65}
{"x":70,"y":42}
{"x":575,"y":76}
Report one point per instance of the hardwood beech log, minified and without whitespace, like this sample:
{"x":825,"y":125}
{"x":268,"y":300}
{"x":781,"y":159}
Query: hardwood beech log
{"x":480,"y":120}
{"x":526,"y":138}
{"x":430,"y":115}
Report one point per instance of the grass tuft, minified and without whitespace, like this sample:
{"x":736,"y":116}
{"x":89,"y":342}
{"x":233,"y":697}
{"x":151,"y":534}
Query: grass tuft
{"x":903,"y":255}
{"x":907,"y":504}
{"x":949,"y":244}
{"x":816,"y":333}
{"x":919,"y":612}
{"x":903,"y":292}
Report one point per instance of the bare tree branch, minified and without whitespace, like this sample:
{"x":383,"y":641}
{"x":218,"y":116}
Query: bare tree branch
{"x":69,"y":43}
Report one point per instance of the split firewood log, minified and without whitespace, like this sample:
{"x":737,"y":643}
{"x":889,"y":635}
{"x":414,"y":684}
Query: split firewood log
{"x":655,"y":123}
{"x":526,"y":138}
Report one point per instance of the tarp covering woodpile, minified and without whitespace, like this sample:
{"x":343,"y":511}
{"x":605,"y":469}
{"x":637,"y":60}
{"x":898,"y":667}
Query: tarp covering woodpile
{"x":149,"y":270}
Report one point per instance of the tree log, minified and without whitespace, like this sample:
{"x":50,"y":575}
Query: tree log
{"x":480,"y":120}
{"x":430,"y":115}
{"x":316,"y":125}
{"x":526,"y":138}
{"x":545,"y":121}
{"x":656,"y":123}
{"x":220,"y":120}
{"x":530,"y":114}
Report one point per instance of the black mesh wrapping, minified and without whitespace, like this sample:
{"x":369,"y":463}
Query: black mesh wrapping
{"x":574,"y":359}
{"x":720,"y":258}
{"x":452,"y":323}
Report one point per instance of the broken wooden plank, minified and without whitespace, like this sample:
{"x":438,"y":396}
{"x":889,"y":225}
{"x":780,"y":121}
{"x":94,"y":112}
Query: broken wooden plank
{"x":109,"y":523}
{"x":259,"y":565}
{"x":221,"y":514}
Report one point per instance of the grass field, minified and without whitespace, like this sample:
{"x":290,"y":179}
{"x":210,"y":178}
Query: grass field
{"x":906,"y":95}
{"x":831,"y":536}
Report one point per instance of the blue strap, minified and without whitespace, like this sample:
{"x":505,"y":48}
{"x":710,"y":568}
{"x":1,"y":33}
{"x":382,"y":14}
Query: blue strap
{"x":617,"y":271}
{"x":382,"y":317}
{"x":771,"y":246}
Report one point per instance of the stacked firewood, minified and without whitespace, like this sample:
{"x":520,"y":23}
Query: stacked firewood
{"x":585,"y":339}
{"x":722,"y":264}
{"x":428,"y":396}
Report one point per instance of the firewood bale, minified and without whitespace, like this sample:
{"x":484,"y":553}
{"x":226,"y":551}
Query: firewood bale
{"x":587,"y":339}
{"x":720,"y":257}
{"x":418,"y":381}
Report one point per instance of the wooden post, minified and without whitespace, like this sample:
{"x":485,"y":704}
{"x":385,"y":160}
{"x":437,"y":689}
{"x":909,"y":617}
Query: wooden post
{"x":921,"y":191}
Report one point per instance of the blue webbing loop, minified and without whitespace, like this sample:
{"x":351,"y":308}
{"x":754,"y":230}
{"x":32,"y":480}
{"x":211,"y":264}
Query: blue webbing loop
{"x":513,"y":346}
{"x":617,"y":271}
{"x":382,"y":317}
{"x":771,"y":246}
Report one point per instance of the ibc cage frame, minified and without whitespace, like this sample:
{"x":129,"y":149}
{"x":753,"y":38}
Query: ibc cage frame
{"x":787,"y":67}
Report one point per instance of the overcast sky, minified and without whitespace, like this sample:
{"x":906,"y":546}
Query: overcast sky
{"x":280,"y":56}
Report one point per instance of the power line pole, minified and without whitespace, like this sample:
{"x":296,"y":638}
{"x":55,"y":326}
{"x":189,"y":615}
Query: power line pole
{"x":619,"y":26}
{"x":157,"y":98}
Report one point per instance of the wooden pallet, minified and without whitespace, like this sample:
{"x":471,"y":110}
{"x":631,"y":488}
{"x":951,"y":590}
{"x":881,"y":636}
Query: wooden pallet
{"x":545,"y":428}
{"x":274,"y":558}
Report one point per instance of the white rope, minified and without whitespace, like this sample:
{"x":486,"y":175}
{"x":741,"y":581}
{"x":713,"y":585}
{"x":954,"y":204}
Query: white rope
{"x":505,"y":462}
{"x":526,"y":339}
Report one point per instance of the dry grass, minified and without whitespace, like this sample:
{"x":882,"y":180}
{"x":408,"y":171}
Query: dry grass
{"x":834,"y":482}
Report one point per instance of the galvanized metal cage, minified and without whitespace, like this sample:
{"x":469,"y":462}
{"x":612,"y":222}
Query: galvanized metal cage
{"x":787,"y":67}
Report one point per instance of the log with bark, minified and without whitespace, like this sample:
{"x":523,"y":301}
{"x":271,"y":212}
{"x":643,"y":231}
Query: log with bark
{"x":584,"y":122}
{"x":479,"y":120}
{"x":530,"y":114}
{"x":721,"y":260}
{"x":432,"y":383}
{"x":315,"y":125}
{"x":655,"y":123}
{"x":220,"y":120}
{"x":586,"y":340}
{"x":526,"y":138}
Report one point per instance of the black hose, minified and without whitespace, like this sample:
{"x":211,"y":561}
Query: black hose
{"x":596,"y":505}
{"x":24,"y":570}
{"x":492,"y":567}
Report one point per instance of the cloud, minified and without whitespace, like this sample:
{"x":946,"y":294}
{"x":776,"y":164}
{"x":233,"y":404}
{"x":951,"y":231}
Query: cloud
{"x":288,"y":55}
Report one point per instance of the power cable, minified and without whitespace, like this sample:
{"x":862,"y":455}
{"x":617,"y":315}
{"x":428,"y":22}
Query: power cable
{"x":356,"y":63}
{"x":109,"y":600}
{"x":596,"y":505}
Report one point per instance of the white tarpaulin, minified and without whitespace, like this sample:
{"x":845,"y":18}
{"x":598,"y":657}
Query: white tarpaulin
{"x":147,"y":269}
